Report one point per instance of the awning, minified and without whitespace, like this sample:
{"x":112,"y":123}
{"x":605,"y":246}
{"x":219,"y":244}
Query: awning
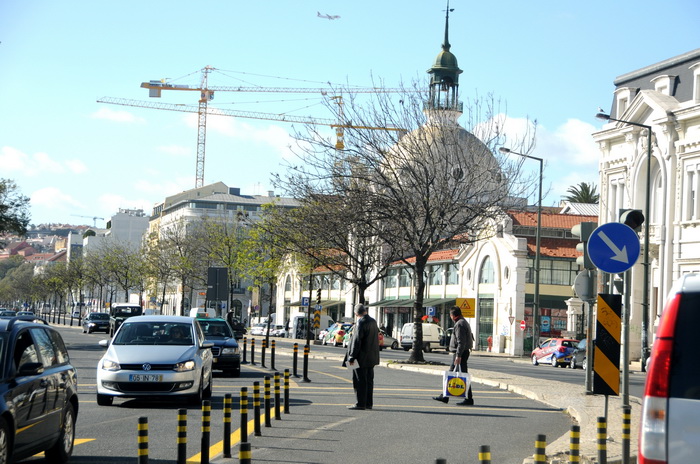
{"x":381,"y":302}
{"x":400,"y":303}
{"x":438,"y":301}
{"x":324,"y":303}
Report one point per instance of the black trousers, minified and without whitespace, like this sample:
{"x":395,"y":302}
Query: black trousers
{"x":464,"y":368}
{"x":363,"y":383}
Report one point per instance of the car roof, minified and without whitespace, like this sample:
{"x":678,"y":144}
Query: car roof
{"x":687,"y":283}
{"x":162,"y":319}
{"x":7,"y":324}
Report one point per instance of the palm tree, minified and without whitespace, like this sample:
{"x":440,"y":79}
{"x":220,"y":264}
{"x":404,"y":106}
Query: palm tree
{"x":582,"y":193}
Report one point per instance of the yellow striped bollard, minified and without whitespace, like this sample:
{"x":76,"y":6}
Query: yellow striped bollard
{"x":295,"y":354}
{"x":602,"y":440}
{"x":143,"y":440}
{"x":286,"y":391}
{"x":272,"y":355}
{"x":264,"y":347}
{"x":227,"y":425}
{"x":252,"y":351}
{"x":244,"y":414}
{"x":206,"y":431}
{"x":540,"y":449}
{"x":245,"y":455}
{"x":266,"y":381}
{"x":307,"y":349}
{"x":256,"y":409}
{"x":484,"y":454}
{"x":574,"y":441}
{"x":181,"y":436}
{"x":278,"y":415}
{"x":245,"y":351}
{"x":626,"y":426}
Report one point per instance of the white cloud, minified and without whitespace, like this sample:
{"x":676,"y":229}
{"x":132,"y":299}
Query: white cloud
{"x":19,"y":163}
{"x":53,"y":198}
{"x":118,"y":116}
{"x":175,"y":150}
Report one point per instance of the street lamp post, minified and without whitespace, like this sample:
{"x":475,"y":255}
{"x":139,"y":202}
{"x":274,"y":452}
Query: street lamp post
{"x":538,"y":234}
{"x":647,"y":213}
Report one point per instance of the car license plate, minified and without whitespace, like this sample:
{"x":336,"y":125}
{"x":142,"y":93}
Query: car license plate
{"x":215,"y":360}
{"x":145,"y":378}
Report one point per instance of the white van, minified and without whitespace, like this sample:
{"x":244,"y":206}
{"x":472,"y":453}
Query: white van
{"x":433,"y":336}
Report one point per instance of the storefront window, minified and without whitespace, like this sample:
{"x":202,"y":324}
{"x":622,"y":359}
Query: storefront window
{"x":435,"y":275}
{"x":452,"y":275}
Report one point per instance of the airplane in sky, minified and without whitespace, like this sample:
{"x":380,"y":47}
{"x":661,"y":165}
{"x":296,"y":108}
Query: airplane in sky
{"x":331,"y":17}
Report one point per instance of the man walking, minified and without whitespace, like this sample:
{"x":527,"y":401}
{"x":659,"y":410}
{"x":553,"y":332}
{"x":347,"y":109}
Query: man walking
{"x":363,"y":350}
{"x":461,"y":344}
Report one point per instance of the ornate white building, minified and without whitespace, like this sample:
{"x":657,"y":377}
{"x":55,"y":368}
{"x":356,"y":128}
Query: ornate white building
{"x":666,"y":97}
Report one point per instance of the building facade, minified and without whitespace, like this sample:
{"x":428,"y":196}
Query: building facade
{"x":661,"y":178}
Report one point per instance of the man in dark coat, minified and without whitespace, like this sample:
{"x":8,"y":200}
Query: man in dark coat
{"x":363,"y":350}
{"x":461,"y":344}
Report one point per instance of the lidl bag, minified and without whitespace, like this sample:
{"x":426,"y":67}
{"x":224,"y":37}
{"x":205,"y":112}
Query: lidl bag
{"x":455,"y":383}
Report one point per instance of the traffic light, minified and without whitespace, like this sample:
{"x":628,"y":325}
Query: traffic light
{"x":318,"y":296}
{"x":583,"y":231}
{"x":633,"y":218}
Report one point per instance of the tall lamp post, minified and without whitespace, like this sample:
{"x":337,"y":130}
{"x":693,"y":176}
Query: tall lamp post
{"x":538,"y":234}
{"x":647,"y":214}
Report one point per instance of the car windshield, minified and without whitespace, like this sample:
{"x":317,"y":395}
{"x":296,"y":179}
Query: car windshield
{"x":216,"y":329}
{"x":99,"y":316}
{"x":154,"y":333}
{"x":126,"y":311}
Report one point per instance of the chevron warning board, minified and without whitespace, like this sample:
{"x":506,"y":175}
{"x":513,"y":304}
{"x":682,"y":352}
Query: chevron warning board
{"x":606,"y":356}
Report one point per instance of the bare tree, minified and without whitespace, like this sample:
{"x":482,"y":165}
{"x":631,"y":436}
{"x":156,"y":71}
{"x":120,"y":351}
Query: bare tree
{"x":429,"y":186}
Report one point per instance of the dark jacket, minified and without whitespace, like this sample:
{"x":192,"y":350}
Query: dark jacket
{"x":462,"y":338}
{"x":364,"y":344}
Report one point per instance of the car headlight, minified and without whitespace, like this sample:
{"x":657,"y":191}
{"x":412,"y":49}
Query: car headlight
{"x":110,"y":365}
{"x":230,"y":351}
{"x":184,"y":366}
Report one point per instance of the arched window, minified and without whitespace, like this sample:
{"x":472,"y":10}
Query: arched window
{"x":288,"y":284}
{"x":486,"y":274}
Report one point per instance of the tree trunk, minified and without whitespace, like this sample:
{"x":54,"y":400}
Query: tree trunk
{"x":417,"y":351}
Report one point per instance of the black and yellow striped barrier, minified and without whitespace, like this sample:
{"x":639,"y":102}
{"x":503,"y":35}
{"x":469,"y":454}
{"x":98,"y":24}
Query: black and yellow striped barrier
{"x":256,"y":409}
{"x":606,"y":356}
{"x":602,"y":441}
{"x":295,"y":354}
{"x":181,"y":436}
{"x":266,"y":380}
{"x":206,"y":431}
{"x":245,"y":455}
{"x":540,"y":456}
{"x":574,"y":442}
{"x":142,"y":440}
{"x":252,"y":351}
{"x":272,"y":355}
{"x":626,"y":435}
{"x":227,"y":425}
{"x":286,"y":391}
{"x":307,"y":349}
{"x":245,"y":351}
{"x":484,"y":454}
{"x":244,"y":413}
{"x":278,"y":414}
{"x":262,"y":354}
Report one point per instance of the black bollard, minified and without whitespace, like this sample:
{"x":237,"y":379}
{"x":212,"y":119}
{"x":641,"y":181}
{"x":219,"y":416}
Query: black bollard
{"x":294,"y":359}
{"x":278,"y":415}
{"x":484,"y":454}
{"x":143,"y":440}
{"x":306,"y":363}
{"x":244,"y":414}
{"x":206,"y":431}
{"x":264,"y":347}
{"x":574,"y":441}
{"x":245,"y":351}
{"x":286,"y":391}
{"x":252,"y":351}
{"x":272,"y":355}
{"x":540,"y":450}
{"x":244,"y":453}
{"x":602,"y":440}
{"x":181,"y":436}
{"x":626,"y":426}
{"x":256,"y":408}
{"x":268,"y":423}
{"x":227,"y":425}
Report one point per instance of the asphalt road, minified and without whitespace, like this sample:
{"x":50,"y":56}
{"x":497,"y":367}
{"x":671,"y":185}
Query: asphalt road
{"x":405,"y":426}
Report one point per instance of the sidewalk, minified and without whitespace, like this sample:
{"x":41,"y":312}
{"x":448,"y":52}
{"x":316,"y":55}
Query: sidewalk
{"x":572,"y":399}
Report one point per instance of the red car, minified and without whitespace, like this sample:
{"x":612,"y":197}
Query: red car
{"x":554,"y":351}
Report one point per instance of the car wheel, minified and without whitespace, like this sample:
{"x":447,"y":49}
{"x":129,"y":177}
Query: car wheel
{"x":572,"y":364}
{"x":196,"y":398}
{"x":89,"y":331}
{"x":554,"y":361}
{"x":104,"y":400}
{"x":427,"y":348}
{"x":534,"y":360}
{"x":84,"y":330}
{"x":395,"y":345}
{"x":61,"y":451}
{"x":5,"y":441}
{"x":406,"y":348}
{"x":584,"y":364}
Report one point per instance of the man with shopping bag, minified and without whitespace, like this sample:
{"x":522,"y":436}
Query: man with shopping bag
{"x":461,"y":344}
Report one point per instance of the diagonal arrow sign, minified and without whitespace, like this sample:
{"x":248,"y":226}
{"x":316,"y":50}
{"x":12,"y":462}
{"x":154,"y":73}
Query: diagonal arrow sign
{"x":619,"y":255}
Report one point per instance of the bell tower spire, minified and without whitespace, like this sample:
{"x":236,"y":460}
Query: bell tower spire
{"x":444,"y":83}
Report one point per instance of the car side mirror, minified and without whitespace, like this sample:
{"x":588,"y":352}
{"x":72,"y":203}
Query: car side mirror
{"x":30,"y":368}
{"x":103,"y":343}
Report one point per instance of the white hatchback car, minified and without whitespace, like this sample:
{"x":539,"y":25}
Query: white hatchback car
{"x":671,"y":409}
{"x":156,"y":356}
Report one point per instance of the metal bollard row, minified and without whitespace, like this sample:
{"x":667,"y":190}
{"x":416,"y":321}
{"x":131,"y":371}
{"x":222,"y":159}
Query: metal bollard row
{"x":574,"y":441}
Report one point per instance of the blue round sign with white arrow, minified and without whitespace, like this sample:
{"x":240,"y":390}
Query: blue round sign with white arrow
{"x":614,"y":247}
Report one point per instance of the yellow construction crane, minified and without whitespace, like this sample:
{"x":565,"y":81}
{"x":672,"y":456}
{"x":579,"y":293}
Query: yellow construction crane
{"x":155,"y":87}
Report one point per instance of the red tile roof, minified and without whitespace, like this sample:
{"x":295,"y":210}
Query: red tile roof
{"x":549,"y":220}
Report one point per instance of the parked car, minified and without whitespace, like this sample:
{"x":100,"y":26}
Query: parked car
{"x":237,"y":327}
{"x":433,"y":336}
{"x":75,"y":314}
{"x":388,"y":341}
{"x":96,"y":322}
{"x":7,"y":314}
{"x":670,"y":417}
{"x":25,"y":313}
{"x":278,"y":331}
{"x":554,"y":351}
{"x":35,"y":360}
{"x":335,"y":334}
{"x":258,"y":329}
{"x":156,"y":356}
{"x":348,"y":336}
{"x":226,"y":352}
{"x":578,"y":356}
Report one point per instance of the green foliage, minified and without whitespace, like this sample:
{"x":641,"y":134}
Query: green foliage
{"x":582,"y":193}
{"x":14,"y":209}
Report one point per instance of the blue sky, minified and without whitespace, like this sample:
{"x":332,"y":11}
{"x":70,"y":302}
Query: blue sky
{"x":553,"y":61}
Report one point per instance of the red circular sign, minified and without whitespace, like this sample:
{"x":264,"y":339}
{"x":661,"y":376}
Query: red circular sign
{"x":522,"y":325}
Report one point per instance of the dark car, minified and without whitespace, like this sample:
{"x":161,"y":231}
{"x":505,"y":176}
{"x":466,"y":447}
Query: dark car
{"x":119,"y":312}
{"x":238,"y":327}
{"x":96,"y":322}
{"x":227,"y":354}
{"x":578,"y":355}
{"x":39,"y":389}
